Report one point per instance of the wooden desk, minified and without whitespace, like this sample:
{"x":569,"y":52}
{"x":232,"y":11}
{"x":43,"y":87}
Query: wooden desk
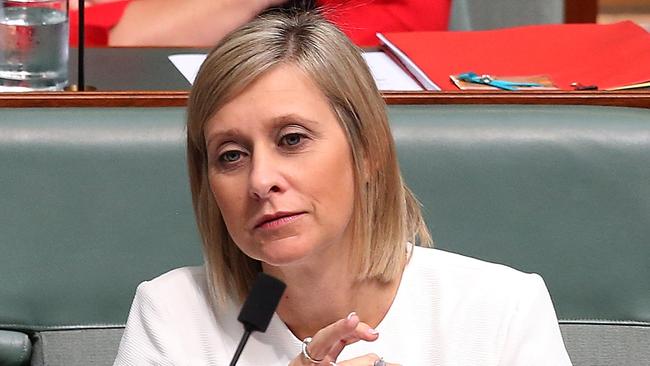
{"x":128,"y":69}
{"x":179,"y":98}
{"x":137,"y":77}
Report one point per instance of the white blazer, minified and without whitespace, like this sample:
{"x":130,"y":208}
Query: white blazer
{"x":449,"y":310}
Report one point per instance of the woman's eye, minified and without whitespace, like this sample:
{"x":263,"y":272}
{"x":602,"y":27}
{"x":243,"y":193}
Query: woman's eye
{"x":292,"y":139}
{"x":230,"y":156}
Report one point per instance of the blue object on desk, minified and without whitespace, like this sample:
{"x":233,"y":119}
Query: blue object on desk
{"x":472,"y":77}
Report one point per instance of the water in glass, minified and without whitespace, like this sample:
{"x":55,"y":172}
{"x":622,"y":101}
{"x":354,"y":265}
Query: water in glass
{"x":33,"y":46}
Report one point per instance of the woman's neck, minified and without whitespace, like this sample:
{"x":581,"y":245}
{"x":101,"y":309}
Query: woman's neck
{"x":317,"y":296}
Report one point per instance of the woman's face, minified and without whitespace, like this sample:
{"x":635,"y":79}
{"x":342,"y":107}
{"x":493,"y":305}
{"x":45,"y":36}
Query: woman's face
{"x":280,"y":169}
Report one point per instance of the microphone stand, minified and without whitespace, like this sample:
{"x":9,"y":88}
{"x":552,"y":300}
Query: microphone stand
{"x":80,"y":50}
{"x":240,"y":347}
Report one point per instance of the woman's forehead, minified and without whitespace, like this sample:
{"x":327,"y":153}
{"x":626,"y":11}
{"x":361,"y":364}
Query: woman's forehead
{"x":282,"y":93}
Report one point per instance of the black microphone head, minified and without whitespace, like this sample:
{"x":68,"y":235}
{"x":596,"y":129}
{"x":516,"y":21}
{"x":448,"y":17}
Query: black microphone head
{"x":261,"y":303}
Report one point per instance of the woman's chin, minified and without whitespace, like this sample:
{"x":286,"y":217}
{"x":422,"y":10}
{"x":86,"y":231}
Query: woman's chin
{"x":284,"y":253}
{"x":277,"y":259}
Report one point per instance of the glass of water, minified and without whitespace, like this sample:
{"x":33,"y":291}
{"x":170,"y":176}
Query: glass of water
{"x":33,"y":45}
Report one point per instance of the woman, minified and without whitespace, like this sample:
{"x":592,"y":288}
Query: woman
{"x":293,"y":172}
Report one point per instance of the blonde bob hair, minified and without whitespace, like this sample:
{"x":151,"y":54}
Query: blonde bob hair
{"x":386,"y":215}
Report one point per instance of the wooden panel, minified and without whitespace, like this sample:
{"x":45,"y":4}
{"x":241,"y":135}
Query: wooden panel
{"x":94,"y":99}
{"x":623,"y":6}
{"x":580,"y":11}
{"x":640,"y":99}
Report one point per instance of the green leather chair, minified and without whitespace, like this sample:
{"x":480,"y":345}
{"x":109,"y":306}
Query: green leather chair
{"x":492,"y":14}
{"x":95,"y":201}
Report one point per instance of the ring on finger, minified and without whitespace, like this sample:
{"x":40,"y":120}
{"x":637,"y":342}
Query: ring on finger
{"x":379,"y":362}
{"x":305,"y":353}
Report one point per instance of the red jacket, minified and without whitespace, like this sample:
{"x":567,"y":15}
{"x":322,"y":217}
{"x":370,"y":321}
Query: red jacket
{"x":100,"y":19}
{"x":359,"y":19}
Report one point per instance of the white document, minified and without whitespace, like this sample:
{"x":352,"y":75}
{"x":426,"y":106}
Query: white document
{"x":387,"y":74}
{"x":188,"y":64}
{"x":409,"y":64}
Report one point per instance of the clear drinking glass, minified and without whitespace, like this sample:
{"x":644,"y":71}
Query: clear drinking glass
{"x":33,"y":45}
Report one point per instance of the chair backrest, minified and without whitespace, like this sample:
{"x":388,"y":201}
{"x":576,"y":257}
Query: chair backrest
{"x":563,"y":191}
{"x":95,"y":201}
{"x":491,"y":14}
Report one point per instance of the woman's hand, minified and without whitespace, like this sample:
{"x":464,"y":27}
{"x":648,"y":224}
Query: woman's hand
{"x":327,"y":344}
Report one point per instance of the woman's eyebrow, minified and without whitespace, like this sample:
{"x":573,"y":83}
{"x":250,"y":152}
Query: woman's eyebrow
{"x":275,"y":123}
{"x":292,"y":117}
{"x":219,"y":136}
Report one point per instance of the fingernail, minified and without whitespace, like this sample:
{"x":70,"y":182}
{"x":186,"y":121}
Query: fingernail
{"x":373,"y":331}
{"x":354,"y":313}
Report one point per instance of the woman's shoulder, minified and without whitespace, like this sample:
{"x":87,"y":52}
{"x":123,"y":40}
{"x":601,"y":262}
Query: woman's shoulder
{"x":172,"y":320}
{"x":181,"y":281}
{"x":179,"y":276}
{"x":178,"y":298}
{"x":467,"y":273}
{"x":458,"y":285}
{"x":492,"y":310}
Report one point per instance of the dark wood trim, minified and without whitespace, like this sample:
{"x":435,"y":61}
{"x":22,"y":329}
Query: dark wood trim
{"x":580,"y":11}
{"x":639,"y":99}
{"x":94,"y":99}
{"x":623,"y":6}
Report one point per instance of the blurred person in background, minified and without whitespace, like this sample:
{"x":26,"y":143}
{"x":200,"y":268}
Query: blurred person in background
{"x":202,"y":23}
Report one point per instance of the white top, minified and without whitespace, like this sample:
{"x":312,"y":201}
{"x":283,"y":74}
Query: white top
{"x":449,"y":310}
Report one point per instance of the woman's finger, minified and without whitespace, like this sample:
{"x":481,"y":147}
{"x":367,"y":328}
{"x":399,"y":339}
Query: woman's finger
{"x":370,"y":359}
{"x":362,"y":332}
{"x":329,"y":341}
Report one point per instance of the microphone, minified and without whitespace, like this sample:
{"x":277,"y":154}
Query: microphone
{"x":258,"y":308}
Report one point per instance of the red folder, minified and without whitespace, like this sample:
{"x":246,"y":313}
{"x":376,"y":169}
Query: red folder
{"x":607,"y":56}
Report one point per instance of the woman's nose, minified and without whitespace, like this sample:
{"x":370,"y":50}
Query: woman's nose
{"x":264,"y":178}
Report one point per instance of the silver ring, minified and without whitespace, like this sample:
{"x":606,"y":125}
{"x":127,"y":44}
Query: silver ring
{"x":379,"y":362}
{"x":305,"y":353}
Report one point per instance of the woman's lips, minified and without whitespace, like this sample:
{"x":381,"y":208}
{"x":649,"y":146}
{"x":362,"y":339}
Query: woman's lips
{"x":278,"y":220}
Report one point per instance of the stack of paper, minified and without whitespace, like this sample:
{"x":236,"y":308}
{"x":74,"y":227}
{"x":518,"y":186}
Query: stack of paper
{"x":387,"y":74}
